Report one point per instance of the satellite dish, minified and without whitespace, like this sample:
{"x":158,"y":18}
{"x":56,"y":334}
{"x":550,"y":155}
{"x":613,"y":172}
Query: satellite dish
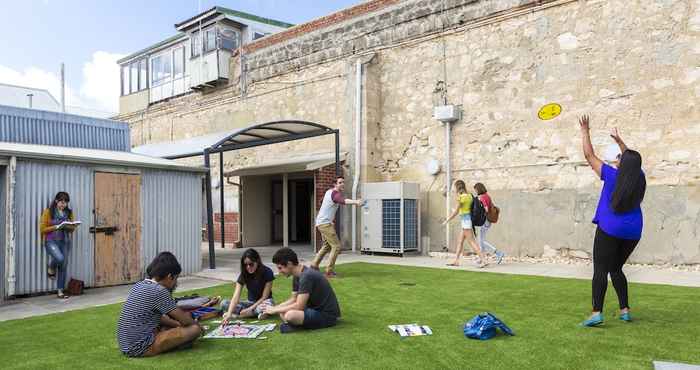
{"x":433,"y":167}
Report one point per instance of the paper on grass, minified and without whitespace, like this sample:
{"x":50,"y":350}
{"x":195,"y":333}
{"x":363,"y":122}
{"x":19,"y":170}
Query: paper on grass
{"x":411,"y":330}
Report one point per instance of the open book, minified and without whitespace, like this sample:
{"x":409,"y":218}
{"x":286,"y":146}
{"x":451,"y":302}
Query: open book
{"x":68,"y":223}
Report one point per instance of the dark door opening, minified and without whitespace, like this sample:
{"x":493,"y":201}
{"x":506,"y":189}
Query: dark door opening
{"x":300,"y":194}
{"x":277,"y":212}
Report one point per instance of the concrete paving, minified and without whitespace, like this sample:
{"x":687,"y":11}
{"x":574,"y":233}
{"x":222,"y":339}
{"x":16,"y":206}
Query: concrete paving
{"x":228,"y":268}
{"x":661,"y":365}
{"x":47,"y":304}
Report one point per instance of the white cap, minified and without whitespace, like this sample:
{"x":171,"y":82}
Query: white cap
{"x":611,"y":152}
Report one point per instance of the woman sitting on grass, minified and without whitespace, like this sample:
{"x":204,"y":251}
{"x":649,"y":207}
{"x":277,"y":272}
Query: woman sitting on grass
{"x":257,"y":278}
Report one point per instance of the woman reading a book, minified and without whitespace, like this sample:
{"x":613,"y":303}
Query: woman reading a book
{"x":57,"y":223}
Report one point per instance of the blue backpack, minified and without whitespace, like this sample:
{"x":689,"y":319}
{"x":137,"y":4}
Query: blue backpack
{"x":483,"y":327}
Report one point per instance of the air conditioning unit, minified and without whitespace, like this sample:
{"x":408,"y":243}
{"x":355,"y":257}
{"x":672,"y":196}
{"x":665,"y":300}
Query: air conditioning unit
{"x":390,"y":218}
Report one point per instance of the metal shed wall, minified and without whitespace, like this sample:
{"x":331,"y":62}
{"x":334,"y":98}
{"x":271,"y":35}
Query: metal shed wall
{"x":2,"y":232}
{"x":36,"y":185}
{"x":171,"y":203}
{"x":30,"y":126}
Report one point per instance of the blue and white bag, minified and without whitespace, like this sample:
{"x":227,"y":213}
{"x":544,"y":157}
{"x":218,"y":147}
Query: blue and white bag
{"x":483,"y":327}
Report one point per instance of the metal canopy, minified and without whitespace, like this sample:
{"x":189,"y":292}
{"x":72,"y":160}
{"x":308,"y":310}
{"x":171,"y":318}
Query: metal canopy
{"x":269,"y":133}
{"x":249,"y":137}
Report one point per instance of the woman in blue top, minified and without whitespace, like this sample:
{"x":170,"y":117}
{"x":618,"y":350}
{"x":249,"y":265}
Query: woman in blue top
{"x":619,"y":220}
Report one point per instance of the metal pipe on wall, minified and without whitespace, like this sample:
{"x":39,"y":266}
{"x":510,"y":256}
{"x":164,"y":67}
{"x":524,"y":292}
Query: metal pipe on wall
{"x":358,"y":139}
{"x":221,"y":197}
{"x":448,"y":180}
{"x":63,"y":88}
{"x":210,"y":210}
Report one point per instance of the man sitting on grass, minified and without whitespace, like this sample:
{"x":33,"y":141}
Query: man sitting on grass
{"x":150,"y":322}
{"x":313,"y":304}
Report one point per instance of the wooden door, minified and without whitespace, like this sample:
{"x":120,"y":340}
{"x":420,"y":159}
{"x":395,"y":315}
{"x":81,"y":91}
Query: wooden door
{"x":117,"y":228}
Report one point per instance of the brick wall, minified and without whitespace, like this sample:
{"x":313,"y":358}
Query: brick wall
{"x":230,"y":227}
{"x":320,"y":23}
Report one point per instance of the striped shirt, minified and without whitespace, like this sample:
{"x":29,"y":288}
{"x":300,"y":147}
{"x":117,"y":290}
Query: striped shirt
{"x":140,"y":316}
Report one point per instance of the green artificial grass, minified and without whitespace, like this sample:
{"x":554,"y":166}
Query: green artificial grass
{"x":543,"y":312}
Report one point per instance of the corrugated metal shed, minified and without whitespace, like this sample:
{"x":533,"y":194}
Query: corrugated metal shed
{"x":2,"y":233}
{"x":104,"y":157}
{"x":171,"y":204}
{"x":31,"y":126}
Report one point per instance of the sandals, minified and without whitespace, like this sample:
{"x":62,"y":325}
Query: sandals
{"x":51,"y":274}
{"x":63,"y":296}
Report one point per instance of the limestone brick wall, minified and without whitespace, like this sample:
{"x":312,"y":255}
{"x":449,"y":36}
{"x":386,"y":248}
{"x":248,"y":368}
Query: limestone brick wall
{"x":631,"y":64}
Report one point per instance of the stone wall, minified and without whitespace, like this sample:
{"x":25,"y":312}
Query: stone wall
{"x":630,"y":64}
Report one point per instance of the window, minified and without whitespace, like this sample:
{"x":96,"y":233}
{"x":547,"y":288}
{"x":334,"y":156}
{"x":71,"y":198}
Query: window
{"x":210,"y":40}
{"x":143,"y":74}
{"x":196,"y":44}
{"x":229,"y":39}
{"x":258,"y":35}
{"x":161,"y":68}
{"x":125,"y":80}
{"x":134,"y":77}
{"x":179,"y":62}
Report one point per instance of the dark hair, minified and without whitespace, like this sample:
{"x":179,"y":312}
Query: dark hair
{"x":254,"y":256}
{"x":284,"y":256}
{"x":163,"y":265}
{"x":630,"y":184}
{"x":461,"y":187}
{"x":480,"y":188}
{"x":338,"y":178}
{"x":61,"y":195}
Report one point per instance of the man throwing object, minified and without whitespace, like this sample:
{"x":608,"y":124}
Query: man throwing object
{"x":325,"y":221}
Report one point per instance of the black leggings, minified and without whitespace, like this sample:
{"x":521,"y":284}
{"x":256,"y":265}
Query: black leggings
{"x":609,"y":255}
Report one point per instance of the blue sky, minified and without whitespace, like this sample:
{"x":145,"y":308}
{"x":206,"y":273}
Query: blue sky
{"x":89,"y":35}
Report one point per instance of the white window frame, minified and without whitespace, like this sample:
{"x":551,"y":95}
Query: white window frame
{"x":125,"y":81}
{"x":154,"y":73}
{"x":183,"y":60}
{"x":204,"y":39}
{"x":194,"y":51}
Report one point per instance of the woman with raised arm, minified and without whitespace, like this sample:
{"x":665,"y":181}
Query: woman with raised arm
{"x":618,"y":218}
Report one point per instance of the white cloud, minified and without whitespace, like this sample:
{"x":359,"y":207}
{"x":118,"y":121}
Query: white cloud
{"x":101,"y":81}
{"x":39,"y":79}
{"x":99,"y":88}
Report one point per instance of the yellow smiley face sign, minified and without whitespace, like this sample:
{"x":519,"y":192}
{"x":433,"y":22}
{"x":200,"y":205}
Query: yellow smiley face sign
{"x":549,"y":111}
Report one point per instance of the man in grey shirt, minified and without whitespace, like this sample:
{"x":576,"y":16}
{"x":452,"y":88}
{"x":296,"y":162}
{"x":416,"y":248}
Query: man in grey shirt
{"x":313,"y":304}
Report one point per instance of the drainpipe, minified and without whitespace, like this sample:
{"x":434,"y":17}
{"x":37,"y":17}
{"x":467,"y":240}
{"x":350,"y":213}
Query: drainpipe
{"x":358,"y":141}
{"x":448,"y":180}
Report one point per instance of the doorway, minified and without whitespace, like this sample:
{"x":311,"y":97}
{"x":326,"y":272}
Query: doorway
{"x":117,"y":228}
{"x":299,"y":205}
{"x":300,"y":213}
